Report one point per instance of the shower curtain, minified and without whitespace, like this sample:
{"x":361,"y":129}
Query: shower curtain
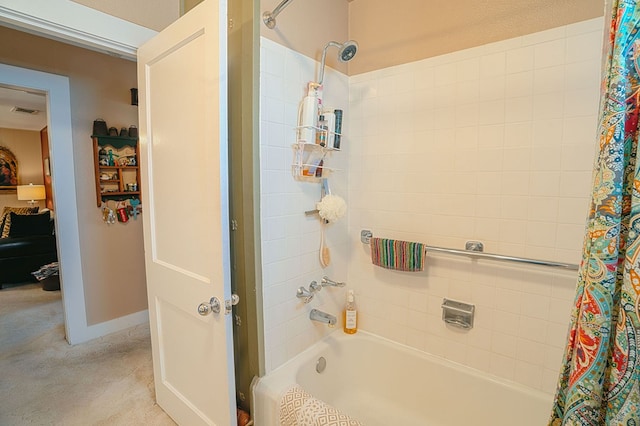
{"x":599,"y":381}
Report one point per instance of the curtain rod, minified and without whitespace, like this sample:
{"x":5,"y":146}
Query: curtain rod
{"x":366,"y":235}
{"x":269,"y":18}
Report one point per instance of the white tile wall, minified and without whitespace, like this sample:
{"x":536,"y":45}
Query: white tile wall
{"x":494,"y":143}
{"x":290,"y":240}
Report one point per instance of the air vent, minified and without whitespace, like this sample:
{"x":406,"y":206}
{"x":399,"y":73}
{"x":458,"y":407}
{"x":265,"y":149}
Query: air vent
{"x":25,"y":110}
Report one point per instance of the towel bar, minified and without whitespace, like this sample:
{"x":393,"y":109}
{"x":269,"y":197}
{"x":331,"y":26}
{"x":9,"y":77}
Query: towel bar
{"x":366,"y":235}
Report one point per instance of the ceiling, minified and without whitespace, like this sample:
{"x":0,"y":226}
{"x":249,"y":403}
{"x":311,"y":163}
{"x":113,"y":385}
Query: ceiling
{"x":419,"y":29}
{"x":11,"y":98}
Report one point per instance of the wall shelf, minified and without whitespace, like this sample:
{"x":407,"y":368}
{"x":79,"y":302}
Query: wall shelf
{"x":114,"y":180}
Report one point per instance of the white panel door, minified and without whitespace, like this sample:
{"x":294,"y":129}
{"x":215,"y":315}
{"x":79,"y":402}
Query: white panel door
{"x":182,"y":83}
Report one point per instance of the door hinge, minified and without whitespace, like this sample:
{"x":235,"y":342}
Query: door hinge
{"x":234,"y":225}
{"x":230,"y":23}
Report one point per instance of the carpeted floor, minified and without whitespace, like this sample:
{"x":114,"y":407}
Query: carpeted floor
{"x":44,"y":381}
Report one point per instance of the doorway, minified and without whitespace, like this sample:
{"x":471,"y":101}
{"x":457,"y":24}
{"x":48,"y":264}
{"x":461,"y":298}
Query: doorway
{"x":56,"y":90}
{"x":24,"y":136}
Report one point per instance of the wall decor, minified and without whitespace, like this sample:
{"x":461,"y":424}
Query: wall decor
{"x":8,"y":170}
{"x":117,"y":174}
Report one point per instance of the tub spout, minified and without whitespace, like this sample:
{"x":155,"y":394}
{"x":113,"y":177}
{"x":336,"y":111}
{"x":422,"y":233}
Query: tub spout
{"x":323,"y":317}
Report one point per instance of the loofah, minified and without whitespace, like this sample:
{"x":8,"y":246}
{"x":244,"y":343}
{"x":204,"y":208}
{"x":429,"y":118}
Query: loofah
{"x":331,"y":208}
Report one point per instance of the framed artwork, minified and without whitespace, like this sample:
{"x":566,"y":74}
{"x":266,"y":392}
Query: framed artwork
{"x":8,"y":170}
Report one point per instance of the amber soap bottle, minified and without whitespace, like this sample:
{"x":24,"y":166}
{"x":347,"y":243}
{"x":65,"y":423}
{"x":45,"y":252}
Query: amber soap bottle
{"x":350,"y":314}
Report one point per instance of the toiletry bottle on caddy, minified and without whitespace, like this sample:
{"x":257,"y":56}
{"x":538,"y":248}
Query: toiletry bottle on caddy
{"x":322,"y":131}
{"x":308,"y":114}
{"x":350,"y":314}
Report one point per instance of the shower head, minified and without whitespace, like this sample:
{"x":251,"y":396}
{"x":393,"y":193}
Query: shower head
{"x":346,"y":52}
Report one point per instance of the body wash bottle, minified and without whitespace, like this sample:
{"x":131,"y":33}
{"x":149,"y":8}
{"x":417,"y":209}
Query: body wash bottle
{"x":350,"y":314}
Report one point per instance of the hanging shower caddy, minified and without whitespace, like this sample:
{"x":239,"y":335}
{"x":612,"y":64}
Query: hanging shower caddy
{"x":315,"y":137}
{"x":309,"y":160}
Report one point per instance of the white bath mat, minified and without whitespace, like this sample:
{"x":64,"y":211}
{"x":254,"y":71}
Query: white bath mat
{"x":298,"y":408}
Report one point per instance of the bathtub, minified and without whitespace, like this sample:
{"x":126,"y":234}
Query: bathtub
{"x":382,"y":383}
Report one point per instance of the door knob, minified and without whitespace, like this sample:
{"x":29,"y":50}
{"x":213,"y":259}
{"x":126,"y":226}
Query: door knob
{"x":212,"y":306}
{"x":228,"y":304}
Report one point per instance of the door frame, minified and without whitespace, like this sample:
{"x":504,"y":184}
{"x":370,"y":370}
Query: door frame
{"x":56,"y":89}
{"x":76,"y":24}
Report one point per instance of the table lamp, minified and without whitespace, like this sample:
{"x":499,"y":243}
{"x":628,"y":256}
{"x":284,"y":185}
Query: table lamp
{"x":31,"y":193}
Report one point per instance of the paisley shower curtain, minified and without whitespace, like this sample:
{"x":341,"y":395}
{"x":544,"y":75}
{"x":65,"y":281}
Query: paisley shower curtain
{"x":599,"y":381}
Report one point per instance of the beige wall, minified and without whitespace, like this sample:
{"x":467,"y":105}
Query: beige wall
{"x":154,"y":14}
{"x":25,"y":145}
{"x":112,"y":256}
{"x":187,"y":5}
{"x":307,"y":26}
{"x":397,"y":33}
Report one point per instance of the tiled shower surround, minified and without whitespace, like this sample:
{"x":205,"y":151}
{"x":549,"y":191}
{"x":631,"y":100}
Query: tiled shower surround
{"x":495,"y":144}
{"x":290,"y":239}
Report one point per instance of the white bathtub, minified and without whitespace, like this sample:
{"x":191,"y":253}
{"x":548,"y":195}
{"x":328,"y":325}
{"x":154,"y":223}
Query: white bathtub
{"x":382,"y":383}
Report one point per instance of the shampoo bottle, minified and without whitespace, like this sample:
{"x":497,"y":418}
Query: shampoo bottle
{"x":350,"y":314}
{"x":308,"y":115}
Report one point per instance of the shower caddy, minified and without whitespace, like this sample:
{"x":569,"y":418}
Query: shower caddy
{"x":308,"y":157}
{"x":303,"y":155}
{"x":314,"y":140}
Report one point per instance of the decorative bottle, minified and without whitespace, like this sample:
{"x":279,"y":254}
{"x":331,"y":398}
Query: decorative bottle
{"x":350,"y":314}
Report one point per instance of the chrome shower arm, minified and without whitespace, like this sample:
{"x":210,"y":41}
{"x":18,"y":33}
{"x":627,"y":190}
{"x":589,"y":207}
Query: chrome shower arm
{"x":269,"y":18}
{"x":346,"y":52}
{"x":324,"y":56}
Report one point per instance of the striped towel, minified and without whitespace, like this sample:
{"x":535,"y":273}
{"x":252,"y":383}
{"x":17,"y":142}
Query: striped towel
{"x":398,"y":255}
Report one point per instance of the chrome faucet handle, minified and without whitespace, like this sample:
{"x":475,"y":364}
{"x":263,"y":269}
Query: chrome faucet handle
{"x":304,"y":294}
{"x":314,"y":287}
{"x":329,"y":282}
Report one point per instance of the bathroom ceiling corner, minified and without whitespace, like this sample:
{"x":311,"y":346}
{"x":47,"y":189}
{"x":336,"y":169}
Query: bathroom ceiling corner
{"x":416,"y":29}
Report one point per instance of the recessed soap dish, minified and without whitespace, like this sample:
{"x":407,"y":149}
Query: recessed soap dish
{"x":458,"y":314}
